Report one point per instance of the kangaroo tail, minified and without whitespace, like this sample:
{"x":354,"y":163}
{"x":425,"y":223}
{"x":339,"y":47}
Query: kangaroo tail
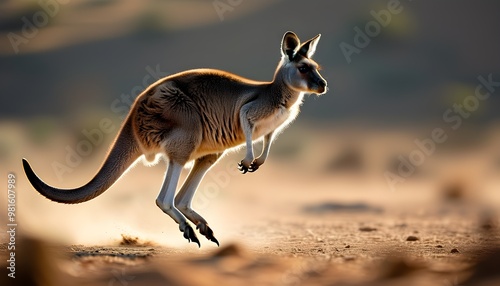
{"x":122,"y":154}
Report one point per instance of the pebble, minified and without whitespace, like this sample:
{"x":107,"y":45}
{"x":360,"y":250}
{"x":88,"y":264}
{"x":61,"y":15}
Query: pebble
{"x":367,"y":228}
{"x":412,"y":238}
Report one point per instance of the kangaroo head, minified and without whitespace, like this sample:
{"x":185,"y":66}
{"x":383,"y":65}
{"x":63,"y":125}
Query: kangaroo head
{"x":299,"y":70}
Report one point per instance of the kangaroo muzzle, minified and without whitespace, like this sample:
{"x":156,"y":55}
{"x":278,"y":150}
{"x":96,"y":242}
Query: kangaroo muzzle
{"x":320,"y":84}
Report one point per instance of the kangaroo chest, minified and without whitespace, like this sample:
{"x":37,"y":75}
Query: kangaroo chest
{"x":271,"y":122}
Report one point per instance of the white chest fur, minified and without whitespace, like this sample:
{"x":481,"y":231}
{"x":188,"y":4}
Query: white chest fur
{"x":270,"y":123}
{"x":278,"y":120}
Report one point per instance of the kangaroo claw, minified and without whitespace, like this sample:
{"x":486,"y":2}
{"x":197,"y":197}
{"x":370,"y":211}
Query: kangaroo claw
{"x":190,"y":235}
{"x":207,"y":232}
{"x":244,"y":169}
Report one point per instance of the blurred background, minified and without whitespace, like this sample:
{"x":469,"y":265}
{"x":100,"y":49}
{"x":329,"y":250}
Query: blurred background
{"x":397,"y":71}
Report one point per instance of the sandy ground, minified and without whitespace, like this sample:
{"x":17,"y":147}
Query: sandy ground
{"x":298,"y":220}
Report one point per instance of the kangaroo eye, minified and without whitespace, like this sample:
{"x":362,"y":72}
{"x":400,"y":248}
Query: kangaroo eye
{"x":303,"y":69}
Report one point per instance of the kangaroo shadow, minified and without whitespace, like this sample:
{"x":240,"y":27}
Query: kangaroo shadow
{"x":333,"y":207}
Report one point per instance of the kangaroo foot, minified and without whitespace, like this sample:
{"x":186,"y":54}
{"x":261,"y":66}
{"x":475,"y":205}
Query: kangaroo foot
{"x":189,"y":233}
{"x":207,"y":232}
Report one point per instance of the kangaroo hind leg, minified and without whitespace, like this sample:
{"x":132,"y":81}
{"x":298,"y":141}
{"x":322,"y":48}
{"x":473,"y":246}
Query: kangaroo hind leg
{"x":188,"y":189}
{"x":165,"y":200}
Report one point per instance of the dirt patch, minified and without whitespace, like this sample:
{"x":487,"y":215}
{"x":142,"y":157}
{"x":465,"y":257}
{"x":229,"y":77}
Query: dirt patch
{"x":128,"y":240}
{"x":286,"y":225}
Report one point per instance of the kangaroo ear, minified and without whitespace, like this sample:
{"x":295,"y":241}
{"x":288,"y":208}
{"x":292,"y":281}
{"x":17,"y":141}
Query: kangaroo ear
{"x":308,"y":48}
{"x":290,"y":45}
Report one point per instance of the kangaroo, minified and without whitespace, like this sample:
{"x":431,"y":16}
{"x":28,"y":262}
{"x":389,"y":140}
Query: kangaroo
{"x":197,"y":115}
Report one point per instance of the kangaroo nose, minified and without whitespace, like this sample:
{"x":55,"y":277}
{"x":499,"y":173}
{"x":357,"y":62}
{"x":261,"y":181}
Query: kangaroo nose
{"x":322,"y":83}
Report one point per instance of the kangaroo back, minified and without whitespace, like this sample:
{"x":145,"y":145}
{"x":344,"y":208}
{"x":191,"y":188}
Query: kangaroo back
{"x":122,"y":154}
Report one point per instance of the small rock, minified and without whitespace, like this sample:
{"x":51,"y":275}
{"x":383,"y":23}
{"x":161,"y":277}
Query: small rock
{"x":227,"y":251}
{"x":454,"y":250}
{"x":349,"y":258}
{"x":454,"y":191}
{"x":367,"y":228}
{"x":487,"y":226}
{"x":412,"y":238}
{"x":439,"y":246}
{"x":348,"y":246}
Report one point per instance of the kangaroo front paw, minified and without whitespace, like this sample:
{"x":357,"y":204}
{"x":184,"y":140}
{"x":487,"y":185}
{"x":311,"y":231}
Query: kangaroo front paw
{"x":189,"y":234}
{"x":252,"y":167}
{"x":243,"y":169}
{"x":207,"y":232}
